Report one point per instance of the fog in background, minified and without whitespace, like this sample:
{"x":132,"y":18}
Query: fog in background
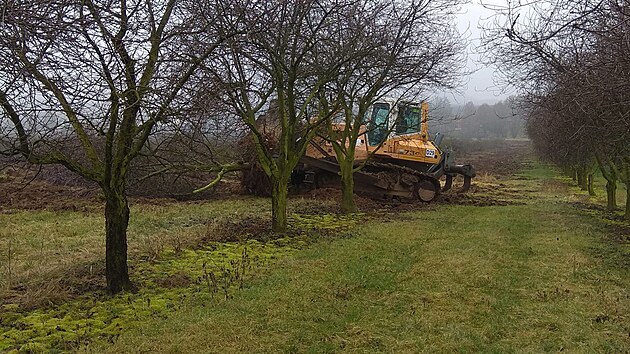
{"x":479,"y":109}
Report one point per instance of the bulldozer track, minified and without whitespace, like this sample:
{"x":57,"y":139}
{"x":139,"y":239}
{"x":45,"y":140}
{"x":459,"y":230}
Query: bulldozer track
{"x":395,"y":168}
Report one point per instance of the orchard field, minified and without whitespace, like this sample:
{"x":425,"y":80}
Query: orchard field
{"x":524,"y":262}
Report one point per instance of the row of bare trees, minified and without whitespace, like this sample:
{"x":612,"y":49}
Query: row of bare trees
{"x":570,"y":61}
{"x":93,"y":84}
{"x":325,"y":60}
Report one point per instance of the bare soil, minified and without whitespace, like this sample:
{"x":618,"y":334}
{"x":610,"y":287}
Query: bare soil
{"x":495,"y":163}
{"x":21,"y":190}
{"x":501,"y":159}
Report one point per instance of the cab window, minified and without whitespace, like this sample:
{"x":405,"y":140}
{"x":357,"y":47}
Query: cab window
{"x":377,"y":125}
{"x":408,"y":120}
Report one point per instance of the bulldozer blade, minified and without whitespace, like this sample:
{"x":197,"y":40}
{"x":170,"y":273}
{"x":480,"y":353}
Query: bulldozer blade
{"x":466,"y":186}
{"x":448,"y":183}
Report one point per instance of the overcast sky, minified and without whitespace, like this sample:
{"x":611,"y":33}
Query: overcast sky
{"x":479,"y":86}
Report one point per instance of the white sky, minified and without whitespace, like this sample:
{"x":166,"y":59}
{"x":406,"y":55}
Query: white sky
{"x":479,"y":86}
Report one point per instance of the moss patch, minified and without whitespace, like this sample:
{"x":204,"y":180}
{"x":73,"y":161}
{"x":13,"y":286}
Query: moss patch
{"x":209,"y":273}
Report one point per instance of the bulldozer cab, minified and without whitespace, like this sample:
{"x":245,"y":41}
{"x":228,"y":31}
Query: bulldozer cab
{"x":393,"y":117}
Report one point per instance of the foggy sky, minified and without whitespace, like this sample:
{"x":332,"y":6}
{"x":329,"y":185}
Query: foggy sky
{"x":479,"y":86}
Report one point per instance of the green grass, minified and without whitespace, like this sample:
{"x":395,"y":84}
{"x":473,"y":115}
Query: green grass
{"x":522,"y":278}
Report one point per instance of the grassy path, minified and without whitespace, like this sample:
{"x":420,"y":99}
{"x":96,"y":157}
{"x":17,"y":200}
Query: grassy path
{"x":536,"y":277}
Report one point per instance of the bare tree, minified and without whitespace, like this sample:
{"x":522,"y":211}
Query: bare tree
{"x":391,"y":48}
{"x":199,"y":142}
{"x":278,"y":57}
{"x":84,"y":84}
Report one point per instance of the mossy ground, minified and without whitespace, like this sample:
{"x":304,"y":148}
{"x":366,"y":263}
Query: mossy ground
{"x":208,"y":274}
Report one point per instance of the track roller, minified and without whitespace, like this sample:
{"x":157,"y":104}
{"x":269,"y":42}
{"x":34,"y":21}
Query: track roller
{"x":426,"y":190}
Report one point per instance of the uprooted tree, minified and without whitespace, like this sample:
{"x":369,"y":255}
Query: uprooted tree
{"x":84,"y":84}
{"x":570,"y":62}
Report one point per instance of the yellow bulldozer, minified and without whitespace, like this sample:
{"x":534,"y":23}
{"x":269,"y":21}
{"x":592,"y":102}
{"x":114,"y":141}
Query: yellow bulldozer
{"x":400,"y":160}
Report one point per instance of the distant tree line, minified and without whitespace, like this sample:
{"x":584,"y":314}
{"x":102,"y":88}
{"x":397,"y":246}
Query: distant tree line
{"x":570,"y":61}
{"x":501,"y":120}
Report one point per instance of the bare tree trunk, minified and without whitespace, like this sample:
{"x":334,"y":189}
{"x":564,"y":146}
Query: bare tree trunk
{"x":279,"y":193}
{"x":569,"y":172}
{"x":611,"y":194}
{"x":582,"y":180}
{"x":589,"y":179}
{"x":624,"y":175}
{"x":610,"y":174}
{"x":116,"y":223}
{"x":347,"y":186}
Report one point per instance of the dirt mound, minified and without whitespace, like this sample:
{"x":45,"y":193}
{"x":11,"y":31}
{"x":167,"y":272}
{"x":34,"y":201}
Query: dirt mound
{"x":325,"y":194}
{"x":476,"y":200}
{"x":236,"y":230}
{"x":29,"y":188}
{"x":254,"y":180}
